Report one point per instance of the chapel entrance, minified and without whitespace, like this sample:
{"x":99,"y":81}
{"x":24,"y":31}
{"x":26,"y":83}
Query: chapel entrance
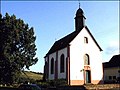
{"x":88,"y":76}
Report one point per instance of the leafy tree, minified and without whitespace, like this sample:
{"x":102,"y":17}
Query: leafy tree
{"x":17,"y":47}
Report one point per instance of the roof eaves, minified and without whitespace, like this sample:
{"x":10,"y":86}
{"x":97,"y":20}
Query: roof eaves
{"x":69,"y":38}
{"x":93,"y":38}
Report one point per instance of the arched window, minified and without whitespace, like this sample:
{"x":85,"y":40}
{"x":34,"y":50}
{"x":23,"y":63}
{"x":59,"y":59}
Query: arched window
{"x":86,"y":59}
{"x":62,"y":63}
{"x":52,"y":66}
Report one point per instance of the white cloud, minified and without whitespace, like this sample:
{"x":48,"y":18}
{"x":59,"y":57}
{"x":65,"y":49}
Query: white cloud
{"x":112,"y":49}
{"x":114,"y":43}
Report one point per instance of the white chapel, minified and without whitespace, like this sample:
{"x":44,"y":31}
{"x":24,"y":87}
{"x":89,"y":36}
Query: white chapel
{"x":75,"y":57}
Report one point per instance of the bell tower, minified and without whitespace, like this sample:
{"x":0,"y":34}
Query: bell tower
{"x":79,"y":19}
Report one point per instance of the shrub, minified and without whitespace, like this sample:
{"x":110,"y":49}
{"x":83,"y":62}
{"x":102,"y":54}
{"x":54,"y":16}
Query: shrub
{"x":54,"y":83}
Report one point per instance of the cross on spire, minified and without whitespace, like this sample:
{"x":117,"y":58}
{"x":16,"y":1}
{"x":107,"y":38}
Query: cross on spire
{"x":79,"y":3}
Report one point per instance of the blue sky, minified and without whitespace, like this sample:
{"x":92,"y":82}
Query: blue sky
{"x":53,"y":20}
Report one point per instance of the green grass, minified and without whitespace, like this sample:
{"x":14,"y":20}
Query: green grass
{"x":32,"y":75}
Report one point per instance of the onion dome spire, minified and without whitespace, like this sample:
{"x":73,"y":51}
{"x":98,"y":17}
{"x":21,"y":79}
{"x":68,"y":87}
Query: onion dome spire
{"x":79,"y":19}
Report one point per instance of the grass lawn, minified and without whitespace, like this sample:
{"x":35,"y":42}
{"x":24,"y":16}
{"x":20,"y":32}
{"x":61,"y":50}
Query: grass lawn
{"x":32,"y":75}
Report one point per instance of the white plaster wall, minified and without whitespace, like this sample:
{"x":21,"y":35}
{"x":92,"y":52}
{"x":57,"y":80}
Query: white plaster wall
{"x":53,"y":55}
{"x":76,"y":62}
{"x":60,"y":52}
{"x":77,"y":51}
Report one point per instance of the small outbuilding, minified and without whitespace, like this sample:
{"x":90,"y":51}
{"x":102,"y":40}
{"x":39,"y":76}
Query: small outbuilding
{"x":112,"y":70}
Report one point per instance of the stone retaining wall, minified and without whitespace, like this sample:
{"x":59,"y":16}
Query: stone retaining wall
{"x":103,"y":87}
{"x":82,"y":87}
{"x":88,"y":87}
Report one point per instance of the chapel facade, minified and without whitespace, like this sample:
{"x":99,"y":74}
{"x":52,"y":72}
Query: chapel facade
{"x":75,"y":57}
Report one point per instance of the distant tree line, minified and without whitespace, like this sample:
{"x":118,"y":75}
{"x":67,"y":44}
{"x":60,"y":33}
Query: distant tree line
{"x":17,"y":48}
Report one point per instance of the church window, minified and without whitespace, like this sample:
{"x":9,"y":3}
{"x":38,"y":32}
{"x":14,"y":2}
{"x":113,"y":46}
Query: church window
{"x":62,"y":63}
{"x":110,"y":77}
{"x":85,"y":40}
{"x":114,"y":77}
{"x":86,"y":59}
{"x":52,"y":66}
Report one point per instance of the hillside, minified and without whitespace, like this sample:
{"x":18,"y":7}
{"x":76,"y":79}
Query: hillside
{"x":32,"y":75}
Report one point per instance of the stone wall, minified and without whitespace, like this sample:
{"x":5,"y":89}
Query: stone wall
{"x":103,"y":87}
{"x":88,"y":87}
